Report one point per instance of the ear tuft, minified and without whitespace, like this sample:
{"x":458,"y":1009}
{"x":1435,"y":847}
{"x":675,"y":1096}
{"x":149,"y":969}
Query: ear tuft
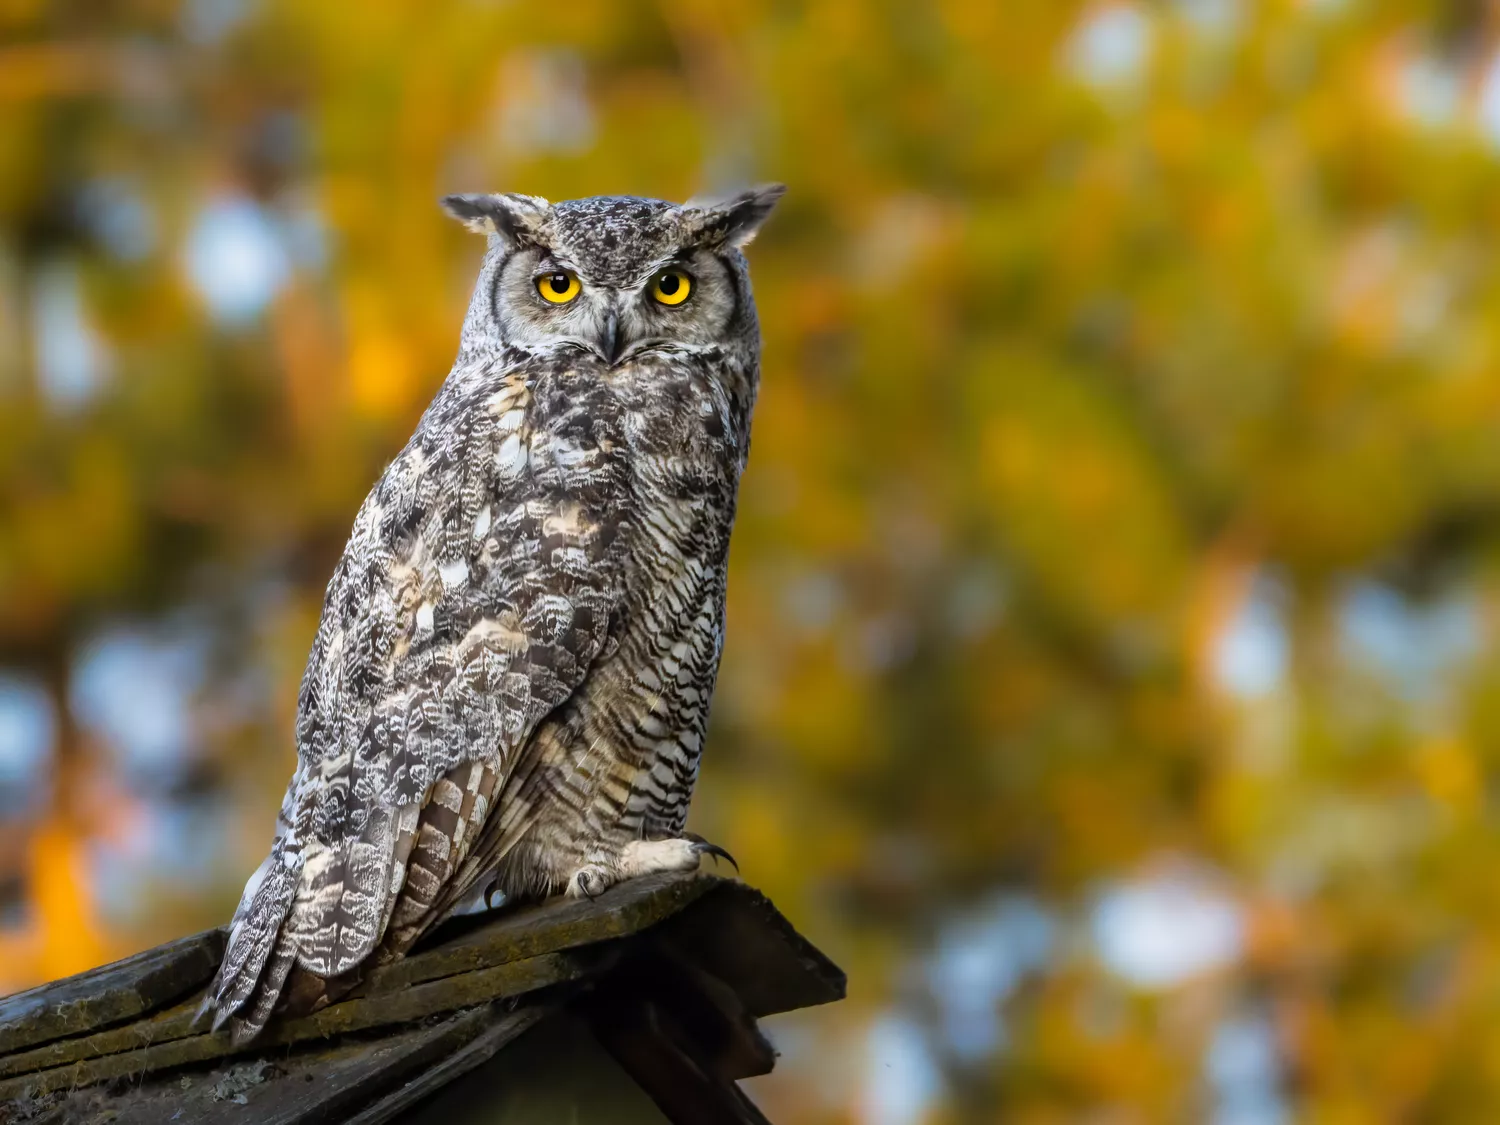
{"x":733,"y":221}
{"x":469,"y":210}
{"x":515,"y":218}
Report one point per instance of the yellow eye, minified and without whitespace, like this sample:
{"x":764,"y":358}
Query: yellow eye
{"x":671,"y":287}
{"x":559,"y":287}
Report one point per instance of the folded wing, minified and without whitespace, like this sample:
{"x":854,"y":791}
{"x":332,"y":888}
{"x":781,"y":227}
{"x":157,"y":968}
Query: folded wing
{"x":480,"y":584}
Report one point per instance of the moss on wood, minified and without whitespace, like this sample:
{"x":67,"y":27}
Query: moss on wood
{"x":361,"y":1014}
{"x":739,"y":957}
{"x":124,"y":990}
{"x":512,"y":938}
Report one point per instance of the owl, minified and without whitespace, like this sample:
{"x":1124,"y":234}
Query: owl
{"x":510,"y":682}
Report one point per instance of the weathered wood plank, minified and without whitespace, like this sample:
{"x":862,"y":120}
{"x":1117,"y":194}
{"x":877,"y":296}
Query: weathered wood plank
{"x":417,"y":1002}
{"x":529,"y":932}
{"x":737,"y":934}
{"x":728,"y":1037}
{"x":455,"y":1066}
{"x":654,"y":1048}
{"x":124,"y":990}
{"x":171,"y":1023}
{"x":310,"y":1086}
{"x":625,"y":909}
{"x":710,"y":1014}
{"x":364,"y":1072}
{"x":726,"y":930}
{"x":307,"y":1088}
{"x":555,"y":1074}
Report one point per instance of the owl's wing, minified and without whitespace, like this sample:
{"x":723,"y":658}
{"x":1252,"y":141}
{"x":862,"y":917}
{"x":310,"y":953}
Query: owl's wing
{"x":477,"y":589}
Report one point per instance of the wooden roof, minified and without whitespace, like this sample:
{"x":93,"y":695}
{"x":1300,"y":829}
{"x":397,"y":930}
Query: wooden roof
{"x":670,"y":972}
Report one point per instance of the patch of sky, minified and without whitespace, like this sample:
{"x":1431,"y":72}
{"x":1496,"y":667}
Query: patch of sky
{"x":304,"y":233}
{"x":1216,"y":18}
{"x":1111,"y":46}
{"x":168,"y":843}
{"x":980,"y":959}
{"x":134,"y":690}
{"x":1166,"y":928}
{"x":207,"y":22}
{"x":1430,"y":90}
{"x":1243,"y":1069}
{"x":1250,"y":655}
{"x":117,"y":214}
{"x":236,"y":258}
{"x":28,"y":729}
{"x":901,"y":1079}
{"x":72,"y":362}
{"x":1488,"y":105}
{"x":1414,"y":645}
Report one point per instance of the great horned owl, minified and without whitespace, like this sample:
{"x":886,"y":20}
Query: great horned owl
{"x":510,"y":682}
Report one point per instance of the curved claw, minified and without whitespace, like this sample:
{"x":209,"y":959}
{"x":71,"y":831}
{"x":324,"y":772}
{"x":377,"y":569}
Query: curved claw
{"x":489,"y":893}
{"x":703,"y":847}
{"x":589,"y":883}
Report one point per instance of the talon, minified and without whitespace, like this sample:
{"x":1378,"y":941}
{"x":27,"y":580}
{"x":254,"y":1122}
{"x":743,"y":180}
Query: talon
{"x":703,"y":847}
{"x":589,"y":884}
{"x":489,"y":893}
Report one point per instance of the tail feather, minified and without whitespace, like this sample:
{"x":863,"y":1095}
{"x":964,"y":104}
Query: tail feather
{"x":407,"y":820}
{"x":492,"y":837}
{"x":449,"y":826}
{"x":253,"y":935}
{"x":498,"y":835}
{"x":304,"y":932}
{"x":341,"y":899}
{"x":255,"y":1014}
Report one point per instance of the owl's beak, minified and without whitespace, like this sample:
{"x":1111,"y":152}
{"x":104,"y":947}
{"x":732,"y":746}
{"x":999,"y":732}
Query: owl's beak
{"x":609,"y":338}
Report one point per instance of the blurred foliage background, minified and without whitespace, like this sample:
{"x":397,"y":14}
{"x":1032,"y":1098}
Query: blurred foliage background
{"x":1111,"y":681}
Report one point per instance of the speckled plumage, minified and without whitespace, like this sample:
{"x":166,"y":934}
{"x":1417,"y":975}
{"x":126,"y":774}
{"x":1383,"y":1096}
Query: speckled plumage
{"x":510,"y":683}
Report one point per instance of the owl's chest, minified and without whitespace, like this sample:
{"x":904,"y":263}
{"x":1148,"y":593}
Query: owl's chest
{"x":679,"y":446}
{"x":653,"y":448}
{"x":671,"y":429}
{"x":685,"y":455}
{"x":683,"y":426}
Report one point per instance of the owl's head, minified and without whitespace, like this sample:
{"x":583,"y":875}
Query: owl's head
{"x":614,"y":275}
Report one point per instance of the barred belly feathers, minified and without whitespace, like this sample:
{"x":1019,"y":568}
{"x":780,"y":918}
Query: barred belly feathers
{"x":510,"y":684}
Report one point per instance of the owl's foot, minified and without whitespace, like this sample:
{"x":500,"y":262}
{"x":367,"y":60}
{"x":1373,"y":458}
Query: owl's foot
{"x":644,"y":857}
{"x":703,"y":847}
